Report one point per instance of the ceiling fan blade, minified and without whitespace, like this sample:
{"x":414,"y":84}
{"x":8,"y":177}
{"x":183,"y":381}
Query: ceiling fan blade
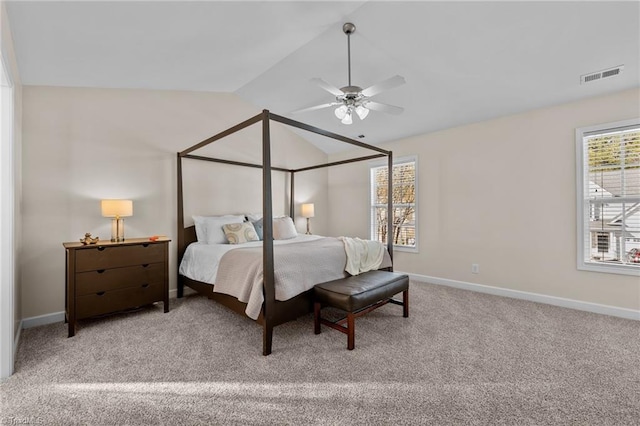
{"x":389,"y":109}
{"x":316,"y":107}
{"x":328,"y":87}
{"x":387,"y":84}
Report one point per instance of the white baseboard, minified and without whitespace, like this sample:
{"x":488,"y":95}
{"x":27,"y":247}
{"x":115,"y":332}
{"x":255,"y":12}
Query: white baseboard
{"x":59,"y":316}
{"x":187,"y":291}
{"x":533,"y":297}
{"x":43,"y":320}
{"x":16,"y":340}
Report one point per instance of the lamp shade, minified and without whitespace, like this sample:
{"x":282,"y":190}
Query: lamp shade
{"x":117,"y":208}
{"x":347,"y":118}
{"x":362,"y":112}
{"x":341,"y":111}
{"x":308,"y":210}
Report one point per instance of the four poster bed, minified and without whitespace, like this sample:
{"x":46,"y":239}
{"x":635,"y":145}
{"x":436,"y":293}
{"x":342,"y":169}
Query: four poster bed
{"x":272,"y":311}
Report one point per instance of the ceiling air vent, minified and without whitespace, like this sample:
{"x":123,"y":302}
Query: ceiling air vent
{"x":599,"y":75}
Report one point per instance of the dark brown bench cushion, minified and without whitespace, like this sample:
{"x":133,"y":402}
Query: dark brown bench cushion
{"x":359,"y":291}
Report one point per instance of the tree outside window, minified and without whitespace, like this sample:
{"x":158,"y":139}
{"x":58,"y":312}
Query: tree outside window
{"x":404,"y":203}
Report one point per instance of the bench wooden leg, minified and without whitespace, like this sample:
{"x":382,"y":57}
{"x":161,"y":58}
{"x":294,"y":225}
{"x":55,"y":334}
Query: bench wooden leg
{"x":351,"y":331}
{"x":316,"y":318}
{"x":405,"y":303}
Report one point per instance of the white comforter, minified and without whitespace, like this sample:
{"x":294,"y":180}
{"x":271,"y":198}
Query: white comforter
{"x":237,"y":270}
{"x":201,"y":260}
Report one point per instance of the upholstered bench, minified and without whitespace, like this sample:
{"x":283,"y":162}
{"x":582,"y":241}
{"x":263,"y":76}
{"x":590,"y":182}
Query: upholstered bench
{"x":358,"y":295}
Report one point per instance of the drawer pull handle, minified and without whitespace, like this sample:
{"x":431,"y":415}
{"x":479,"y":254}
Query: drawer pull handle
{"x":145,"y":285}
{"x":100,"y":293}
{"x":101,"y":248}
{"x":145,"y":265}
{"x":100,"y":271}
{"x":145,"y":245}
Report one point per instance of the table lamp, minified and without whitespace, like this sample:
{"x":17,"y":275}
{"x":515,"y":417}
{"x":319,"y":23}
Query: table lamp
{"x":308,"y":211}
{"x":117,"y":209}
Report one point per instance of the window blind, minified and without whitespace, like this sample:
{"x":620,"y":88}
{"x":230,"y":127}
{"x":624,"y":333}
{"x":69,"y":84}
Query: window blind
{"x":611,"y":201}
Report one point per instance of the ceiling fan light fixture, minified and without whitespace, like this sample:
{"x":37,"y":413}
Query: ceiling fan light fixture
{"x":352,"y":98}
{"x":362,"y":112}
{"x":341,"y":111}
{"x":347,"y":118}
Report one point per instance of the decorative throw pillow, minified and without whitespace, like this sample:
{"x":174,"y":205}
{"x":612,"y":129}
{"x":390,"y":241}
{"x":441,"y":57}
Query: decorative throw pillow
{"x":238,"y":233}
{"x":209,"y":228}
{"x":284,"y":229}
{"x":259,"y":227}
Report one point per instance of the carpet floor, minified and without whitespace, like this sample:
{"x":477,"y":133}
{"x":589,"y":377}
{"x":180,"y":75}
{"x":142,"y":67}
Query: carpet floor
{"x":460,"y":358}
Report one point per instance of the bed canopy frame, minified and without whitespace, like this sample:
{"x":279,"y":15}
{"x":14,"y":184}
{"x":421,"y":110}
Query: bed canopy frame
{"x":273,"y":312}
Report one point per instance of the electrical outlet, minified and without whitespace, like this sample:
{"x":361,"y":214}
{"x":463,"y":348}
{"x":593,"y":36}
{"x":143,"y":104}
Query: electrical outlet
{"x":475,"y":268}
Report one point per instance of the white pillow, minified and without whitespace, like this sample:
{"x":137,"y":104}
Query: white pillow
{"x":209,"y":228}
{"x":254,"y":217}
{"x":284,"y":229}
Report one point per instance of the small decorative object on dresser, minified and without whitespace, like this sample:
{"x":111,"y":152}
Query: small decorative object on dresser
{"x":109,"y":277}
{"x":88,"y":239}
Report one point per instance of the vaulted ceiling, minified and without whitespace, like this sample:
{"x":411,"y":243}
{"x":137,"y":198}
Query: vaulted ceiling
{"x":463,"y":61}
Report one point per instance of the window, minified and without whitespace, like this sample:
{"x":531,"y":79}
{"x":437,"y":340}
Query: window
{"x":608,"y":158}
{"x":405,"y":235}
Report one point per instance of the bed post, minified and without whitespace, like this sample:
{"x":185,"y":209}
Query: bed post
{"x":390,"y":207}
{"x":291,"y":197}
{"x":267,"y":243}
{"x":180,"y":229}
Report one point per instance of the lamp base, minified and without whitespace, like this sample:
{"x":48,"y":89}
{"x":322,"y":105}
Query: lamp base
{"x":117,"y":230}
{"x":308,"y":231}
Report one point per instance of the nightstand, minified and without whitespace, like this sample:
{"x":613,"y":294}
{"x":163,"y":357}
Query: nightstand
{"x":108,"y":277}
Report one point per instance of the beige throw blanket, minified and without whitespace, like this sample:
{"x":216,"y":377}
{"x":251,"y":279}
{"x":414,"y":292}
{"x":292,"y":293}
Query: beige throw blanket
{"x":298,"y":267}
{"x":362,"y":255}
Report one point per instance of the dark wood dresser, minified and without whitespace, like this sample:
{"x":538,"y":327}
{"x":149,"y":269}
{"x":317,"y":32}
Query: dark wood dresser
{"x":109,"y":277}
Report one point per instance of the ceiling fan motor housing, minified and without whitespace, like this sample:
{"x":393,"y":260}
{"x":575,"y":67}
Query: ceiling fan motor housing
{"x":352,"y":96}
{"x":351,"y":90}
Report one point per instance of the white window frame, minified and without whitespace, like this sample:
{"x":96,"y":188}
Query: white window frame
{"x":582,"y":209}
{"x":398,"y":160}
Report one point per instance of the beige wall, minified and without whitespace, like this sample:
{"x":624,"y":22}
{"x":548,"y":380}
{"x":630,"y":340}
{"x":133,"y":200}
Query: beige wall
{"x":12,"y":68}
{"x":502,"y":194}
{"x":82,"y":145}
{"x":499,"y":193}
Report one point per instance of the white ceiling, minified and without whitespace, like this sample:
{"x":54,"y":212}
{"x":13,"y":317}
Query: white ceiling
{"x":463,"y":61}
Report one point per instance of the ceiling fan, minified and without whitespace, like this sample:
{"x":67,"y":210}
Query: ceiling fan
{"x":350,"y":99}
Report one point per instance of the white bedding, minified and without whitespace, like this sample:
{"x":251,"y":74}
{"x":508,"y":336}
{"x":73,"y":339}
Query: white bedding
{"x":299,"y":264}
{"x":200,"y":261}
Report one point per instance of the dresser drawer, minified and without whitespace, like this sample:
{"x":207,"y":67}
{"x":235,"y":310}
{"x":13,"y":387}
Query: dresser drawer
{"x":116,"y":300}
{"x":92,"y":282}
{"x":101,"y":257}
